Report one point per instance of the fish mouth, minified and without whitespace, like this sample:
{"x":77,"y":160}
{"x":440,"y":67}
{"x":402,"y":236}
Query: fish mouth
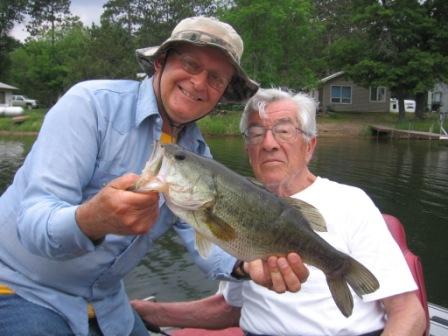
{"x":153,"y":177}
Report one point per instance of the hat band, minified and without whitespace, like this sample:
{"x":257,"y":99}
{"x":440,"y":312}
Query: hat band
{"x":199,"y":36}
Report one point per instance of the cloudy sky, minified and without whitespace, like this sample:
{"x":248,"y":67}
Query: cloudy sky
{"x":88,"y":10}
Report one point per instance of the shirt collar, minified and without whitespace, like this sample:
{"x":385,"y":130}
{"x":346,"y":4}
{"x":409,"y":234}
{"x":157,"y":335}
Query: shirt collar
{"x":147,"y":102}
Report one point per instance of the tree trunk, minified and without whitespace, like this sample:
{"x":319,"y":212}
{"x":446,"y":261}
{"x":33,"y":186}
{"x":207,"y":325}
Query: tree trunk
{"x":420,"y":102}
{"x":401,"y":113}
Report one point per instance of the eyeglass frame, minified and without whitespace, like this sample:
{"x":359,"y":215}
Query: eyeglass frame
{"x":246,"y":136}
{"x":200,"y":68}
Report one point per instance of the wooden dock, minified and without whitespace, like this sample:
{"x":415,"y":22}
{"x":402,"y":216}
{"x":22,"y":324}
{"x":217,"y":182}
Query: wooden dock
{"x":384,"y":131}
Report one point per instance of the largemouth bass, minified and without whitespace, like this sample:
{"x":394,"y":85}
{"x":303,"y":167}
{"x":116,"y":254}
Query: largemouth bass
{"x":247,"y":220}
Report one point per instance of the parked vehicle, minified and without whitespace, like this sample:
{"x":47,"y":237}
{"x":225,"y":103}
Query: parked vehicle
{"x":20,"y":100}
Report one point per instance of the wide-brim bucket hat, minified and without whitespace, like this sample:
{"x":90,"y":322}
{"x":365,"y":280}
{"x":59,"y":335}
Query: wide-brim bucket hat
{"x":206,"y":31}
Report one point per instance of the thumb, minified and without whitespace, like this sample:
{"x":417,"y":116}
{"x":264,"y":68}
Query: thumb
{"x":124,"y":182}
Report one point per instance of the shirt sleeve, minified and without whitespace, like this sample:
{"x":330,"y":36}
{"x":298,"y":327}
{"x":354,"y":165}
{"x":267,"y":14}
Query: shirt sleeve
{"x":232,"y":292}
{"x":59,"y":165}
{"x":372,"y":244}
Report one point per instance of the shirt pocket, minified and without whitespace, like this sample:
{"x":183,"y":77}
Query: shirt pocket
{"x":126,"y":260}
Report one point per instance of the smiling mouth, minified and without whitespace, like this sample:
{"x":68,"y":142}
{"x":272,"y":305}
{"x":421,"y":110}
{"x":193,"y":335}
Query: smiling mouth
{"x":189,"y":95}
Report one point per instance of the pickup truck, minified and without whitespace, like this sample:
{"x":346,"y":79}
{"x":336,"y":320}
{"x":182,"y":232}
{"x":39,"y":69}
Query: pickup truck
{"x":19,"y":100}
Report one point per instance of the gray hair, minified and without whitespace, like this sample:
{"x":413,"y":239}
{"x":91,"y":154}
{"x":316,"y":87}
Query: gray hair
{"x":306,"y":108}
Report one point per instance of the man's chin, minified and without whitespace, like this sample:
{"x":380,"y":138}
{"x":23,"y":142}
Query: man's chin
{"x":184,"y":116}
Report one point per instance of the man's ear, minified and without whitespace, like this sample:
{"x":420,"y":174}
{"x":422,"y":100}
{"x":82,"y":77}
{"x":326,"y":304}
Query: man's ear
{"x":311,"y":145}
{"x":158,"y":63}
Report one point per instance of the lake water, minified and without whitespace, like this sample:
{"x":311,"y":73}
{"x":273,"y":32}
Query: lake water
{"x":408,"y":179}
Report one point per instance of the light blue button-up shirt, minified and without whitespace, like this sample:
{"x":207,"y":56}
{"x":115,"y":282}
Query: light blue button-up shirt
{"x":97,"y":131}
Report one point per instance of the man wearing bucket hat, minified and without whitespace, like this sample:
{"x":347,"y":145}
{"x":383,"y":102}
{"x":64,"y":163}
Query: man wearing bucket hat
{"x":71,"y":230}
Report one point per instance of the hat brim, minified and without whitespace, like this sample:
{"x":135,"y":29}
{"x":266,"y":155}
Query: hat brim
{"x":240,"y":88}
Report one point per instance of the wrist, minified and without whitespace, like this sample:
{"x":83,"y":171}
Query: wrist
{"x":83,"y":217}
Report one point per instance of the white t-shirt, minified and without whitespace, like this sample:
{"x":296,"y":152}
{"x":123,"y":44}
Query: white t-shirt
{"x":356,"y":227}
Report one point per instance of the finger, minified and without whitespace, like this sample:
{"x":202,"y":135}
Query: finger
{"x":298,"y":267}
{"x":258,"y":272}
{"x":124,"y":182}
{"x":278,"y":284}
{"x":149,"y":199}
{"x":292,"y":282}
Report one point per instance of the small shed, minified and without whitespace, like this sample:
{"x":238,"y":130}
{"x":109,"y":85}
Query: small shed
{"x":438,"y":98}
{"x":6,"y":93}
{"x":338,"y":93}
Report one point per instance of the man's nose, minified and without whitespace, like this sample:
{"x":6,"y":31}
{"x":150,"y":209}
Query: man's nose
{"x":269,"y":140}
{"x":200,"y":80}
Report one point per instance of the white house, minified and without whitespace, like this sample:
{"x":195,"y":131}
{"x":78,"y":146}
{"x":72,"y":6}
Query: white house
{"x":6,"y":93}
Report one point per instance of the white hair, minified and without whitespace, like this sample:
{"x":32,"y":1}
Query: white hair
{"x":306,"y":108}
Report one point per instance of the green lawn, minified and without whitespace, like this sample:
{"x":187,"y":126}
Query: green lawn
{"x":31,"y":124}
{"x":227,"y":122}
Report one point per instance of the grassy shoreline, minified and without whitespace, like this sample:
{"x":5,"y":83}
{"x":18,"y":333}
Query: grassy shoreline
{"x":226,"y":123}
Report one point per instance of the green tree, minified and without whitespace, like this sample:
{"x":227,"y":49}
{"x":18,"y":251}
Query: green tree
{"x":45,"y":69}
{"x":11,"y":12}
{"x":47,"y":15}
{"x":110,"y":53}
{"x":158,"y":18}
{"x":280,"y":39}
{"x":391,"y":44}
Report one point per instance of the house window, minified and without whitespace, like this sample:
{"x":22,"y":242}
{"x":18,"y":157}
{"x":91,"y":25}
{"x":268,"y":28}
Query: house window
{"x":377,"y":94}
{"x":437,"y":97}
{"x":2,"y":98}
{"x":341,"y":94}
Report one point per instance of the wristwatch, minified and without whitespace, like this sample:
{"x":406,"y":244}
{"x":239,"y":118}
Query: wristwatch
{"x":238,"y":271}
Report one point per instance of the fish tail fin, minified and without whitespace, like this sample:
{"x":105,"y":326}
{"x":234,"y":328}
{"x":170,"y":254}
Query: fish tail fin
{"x":360,"y":279}
{"x":341,"y":294}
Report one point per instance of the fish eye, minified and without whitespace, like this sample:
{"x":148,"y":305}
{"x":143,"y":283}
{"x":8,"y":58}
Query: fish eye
{"x":179,"y":156}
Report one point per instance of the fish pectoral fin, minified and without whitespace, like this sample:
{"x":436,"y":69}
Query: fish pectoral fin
{"x":311,"y":214}
{"x":220,"y":229}
{"x":341,"y":294}
{"x":203,"y":246}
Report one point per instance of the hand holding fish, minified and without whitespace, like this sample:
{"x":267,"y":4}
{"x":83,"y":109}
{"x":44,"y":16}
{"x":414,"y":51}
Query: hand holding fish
{"x":279,"y":274}
{"x":117,"y":211}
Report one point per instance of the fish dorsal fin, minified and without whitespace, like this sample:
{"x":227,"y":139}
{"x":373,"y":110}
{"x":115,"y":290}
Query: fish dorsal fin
{"x":203,"y":246}
{"x":313,"y":215}
{"x":220,"y":229}
{"x":254,"y":181}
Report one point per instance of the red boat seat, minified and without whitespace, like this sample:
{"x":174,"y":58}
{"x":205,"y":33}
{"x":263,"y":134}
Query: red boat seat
{"x":414,"y":263}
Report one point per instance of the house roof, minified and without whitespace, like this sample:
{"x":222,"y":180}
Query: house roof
{"x":336,"y":74}
{"x":7,"y":87}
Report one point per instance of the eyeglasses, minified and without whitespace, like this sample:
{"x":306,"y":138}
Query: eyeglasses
{"x":191,"y":65}
{"x":282,"y":132}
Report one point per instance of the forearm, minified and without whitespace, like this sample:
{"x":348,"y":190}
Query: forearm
{"x":212,"y":312}
{"x":405,"y":316}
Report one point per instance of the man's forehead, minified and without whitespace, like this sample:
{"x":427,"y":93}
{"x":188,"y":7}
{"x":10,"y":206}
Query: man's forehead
{"x":278,"y":110}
